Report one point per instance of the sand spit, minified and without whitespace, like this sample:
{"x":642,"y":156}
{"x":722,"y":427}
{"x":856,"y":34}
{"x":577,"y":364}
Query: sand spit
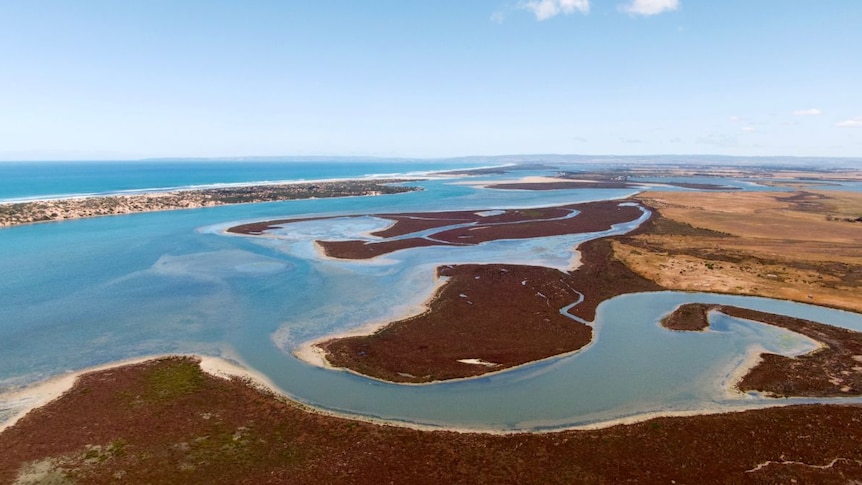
{"x":75,"y":208}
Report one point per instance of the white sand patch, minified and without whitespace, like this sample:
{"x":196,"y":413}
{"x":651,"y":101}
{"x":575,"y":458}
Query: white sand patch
{"x":310,"y":353}
{"x":226,"y":369}
{"x":490,"y":213}
{"x":753,"y":356}
{"x":478,"y":362}
{"x":534,"y":179}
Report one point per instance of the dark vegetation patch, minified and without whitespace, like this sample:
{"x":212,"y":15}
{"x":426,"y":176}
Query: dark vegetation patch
{"x":501,"y":170}
{"x":231,"y":433}
{"x":511,"y":224}
{"x":506,"y":315}
{"x":691,"y":317}
{"x":832,"y":370}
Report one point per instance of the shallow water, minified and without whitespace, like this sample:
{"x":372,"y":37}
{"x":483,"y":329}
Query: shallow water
{"x":83,"y":293}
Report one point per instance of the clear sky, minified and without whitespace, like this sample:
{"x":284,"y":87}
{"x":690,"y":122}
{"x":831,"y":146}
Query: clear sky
{"x":85,"y":79}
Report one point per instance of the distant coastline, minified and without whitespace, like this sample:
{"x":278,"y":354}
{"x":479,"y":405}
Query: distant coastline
{"x":12,"y":214}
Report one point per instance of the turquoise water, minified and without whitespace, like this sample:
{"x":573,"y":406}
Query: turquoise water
{"x":20,"y":180}
{"x":82,"y":293}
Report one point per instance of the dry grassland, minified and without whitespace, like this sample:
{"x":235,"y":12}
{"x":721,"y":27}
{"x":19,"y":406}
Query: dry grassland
{"x":798,"y":246}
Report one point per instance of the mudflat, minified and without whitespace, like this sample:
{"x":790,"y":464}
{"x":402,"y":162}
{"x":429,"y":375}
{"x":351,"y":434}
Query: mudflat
{"x":484,"y":318}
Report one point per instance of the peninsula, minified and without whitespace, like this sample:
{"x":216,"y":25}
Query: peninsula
{"x":75,"y":208}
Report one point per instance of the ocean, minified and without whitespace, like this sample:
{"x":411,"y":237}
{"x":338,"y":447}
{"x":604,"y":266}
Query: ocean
{"x":34,"y":180}
{"x":82,"y":293}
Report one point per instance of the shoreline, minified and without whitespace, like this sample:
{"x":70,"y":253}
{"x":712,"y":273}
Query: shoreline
{"x":168,"y":421}
{"x":51,"y":389}
{"x":54,"y":388}
{"x":43,"y":392}
{"x":91,"y":206}
{"x":382,"y":178}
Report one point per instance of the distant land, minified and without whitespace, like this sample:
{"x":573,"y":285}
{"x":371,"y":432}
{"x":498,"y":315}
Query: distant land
{"x":793,"y":238}
{"x":790,"y":161}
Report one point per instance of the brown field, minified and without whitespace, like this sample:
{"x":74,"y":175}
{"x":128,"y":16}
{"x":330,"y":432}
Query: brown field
{"x":799,"y":246}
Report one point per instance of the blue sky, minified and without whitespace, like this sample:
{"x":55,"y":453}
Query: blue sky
{"x":86,"y":79}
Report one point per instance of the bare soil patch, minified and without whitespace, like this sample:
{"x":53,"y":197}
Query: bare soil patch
{"x":783,"y":245}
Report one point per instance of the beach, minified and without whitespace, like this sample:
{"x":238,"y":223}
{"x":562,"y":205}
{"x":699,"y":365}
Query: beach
{"x":17,"y":213}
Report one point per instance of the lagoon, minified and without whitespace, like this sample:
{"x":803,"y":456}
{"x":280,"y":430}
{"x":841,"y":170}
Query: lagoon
{"x":87,"y":292}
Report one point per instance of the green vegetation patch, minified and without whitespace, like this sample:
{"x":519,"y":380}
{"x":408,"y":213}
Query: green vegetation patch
{"x":165,"y":383}
{"x":173,"y":378}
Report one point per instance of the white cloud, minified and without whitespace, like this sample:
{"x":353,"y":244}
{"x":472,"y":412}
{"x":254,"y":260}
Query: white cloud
{"x":808,"y":112}
{"x":734,"y":119}
{"x":649,"y":7}
{"x":545,"y":9}
{"x":749,"y":129}
{"x":498,"y":17}
{"x":851,"y":123}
